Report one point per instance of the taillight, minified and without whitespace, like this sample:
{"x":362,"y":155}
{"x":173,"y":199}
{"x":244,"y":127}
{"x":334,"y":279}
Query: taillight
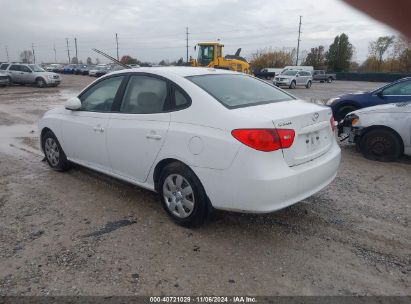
{"x":266,"y":140}
{"x":332,"y":122}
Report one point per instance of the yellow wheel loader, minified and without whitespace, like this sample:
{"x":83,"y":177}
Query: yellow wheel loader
{"x":210,"y":54}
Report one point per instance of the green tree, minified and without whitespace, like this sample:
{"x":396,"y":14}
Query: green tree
{"x":316,"y":58}
{"x":379,"y":47}
{"x":339,"y":54}
{"x":127,"y":59}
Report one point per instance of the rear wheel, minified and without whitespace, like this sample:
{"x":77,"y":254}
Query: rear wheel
{"x":308,"y":85}
{"x":40,"y":82}
{"x":380,"y":145}
{"x":293,"y":84}
{"x":182,"y":195}
{"x":330,"y":79}
{"x":55,"y":156}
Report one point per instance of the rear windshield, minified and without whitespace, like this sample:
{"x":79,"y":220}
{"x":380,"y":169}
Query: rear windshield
{"x":239,"y":90}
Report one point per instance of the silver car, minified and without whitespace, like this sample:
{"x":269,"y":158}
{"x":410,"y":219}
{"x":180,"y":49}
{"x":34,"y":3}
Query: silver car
{"x":294,"y":78}
{"x":22,"y":73}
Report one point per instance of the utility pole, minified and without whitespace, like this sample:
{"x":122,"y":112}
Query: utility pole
{"x":117,"y":46}
{"x":298,"y":41}
{"x":55,"y":53}
{"x":75,"y":44}
{"x":34,"y":54}
{"x":68,"y":50}
{"x":187,"y":43}
{"x":7,"y":54}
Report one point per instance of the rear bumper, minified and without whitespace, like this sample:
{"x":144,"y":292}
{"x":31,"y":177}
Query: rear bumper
{"x":263,"y":187}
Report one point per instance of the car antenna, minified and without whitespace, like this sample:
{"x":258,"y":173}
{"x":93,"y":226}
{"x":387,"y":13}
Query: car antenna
{"x":112,"y":59}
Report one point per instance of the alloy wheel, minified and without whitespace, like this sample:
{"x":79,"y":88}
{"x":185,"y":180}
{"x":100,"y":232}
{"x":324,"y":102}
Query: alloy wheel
{"x":52,"y":151}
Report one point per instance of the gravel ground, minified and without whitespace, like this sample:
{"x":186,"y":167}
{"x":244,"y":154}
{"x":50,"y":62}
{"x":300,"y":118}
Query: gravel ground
{"x":83,"y":233}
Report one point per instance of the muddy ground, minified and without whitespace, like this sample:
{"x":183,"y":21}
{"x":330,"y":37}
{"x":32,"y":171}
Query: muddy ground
{"x":83,"y":233}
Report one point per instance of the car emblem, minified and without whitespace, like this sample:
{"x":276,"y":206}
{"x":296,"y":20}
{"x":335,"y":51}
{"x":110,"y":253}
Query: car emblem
{"x":315,"y":116}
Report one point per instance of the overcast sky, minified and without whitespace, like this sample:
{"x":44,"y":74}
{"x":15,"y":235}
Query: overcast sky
{"x":155,"y":30}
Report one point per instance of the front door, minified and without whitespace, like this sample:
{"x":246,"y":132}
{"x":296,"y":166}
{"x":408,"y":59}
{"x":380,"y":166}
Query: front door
{"x":137,"y":132}
{"x":84,"y":131}
{"x":398,"y":92}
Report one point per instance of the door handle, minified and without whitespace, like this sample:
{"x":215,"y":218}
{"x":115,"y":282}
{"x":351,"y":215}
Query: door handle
{"x":153,"y":136}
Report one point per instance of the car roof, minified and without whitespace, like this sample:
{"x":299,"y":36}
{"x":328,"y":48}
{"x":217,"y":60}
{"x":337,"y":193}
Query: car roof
{"x":179,"y":71}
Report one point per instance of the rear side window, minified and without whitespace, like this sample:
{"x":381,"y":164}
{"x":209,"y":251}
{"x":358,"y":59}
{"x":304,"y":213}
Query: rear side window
{"x":14,"y":67}
{"x":144,"y":95}
{"x":238,"y":90}
{"x":180,"y":99}
{"x":4,"y":66}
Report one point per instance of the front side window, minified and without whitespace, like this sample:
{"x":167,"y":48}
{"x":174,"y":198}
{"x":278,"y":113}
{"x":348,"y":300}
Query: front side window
{"x":236,"y":90}
{"x":289,"y":73}
{"x":100,"y":97}
{"x":36,"y":68}
{"x":24,"y":68}
{"x":399,"y":89}
{"x":144,"y":95}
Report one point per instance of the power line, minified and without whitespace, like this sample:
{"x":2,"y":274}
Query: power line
{"x":298,"y":41}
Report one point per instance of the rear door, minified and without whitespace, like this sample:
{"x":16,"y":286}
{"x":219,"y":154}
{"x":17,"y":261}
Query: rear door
{"x":138,"y":130}
{"x":15,"y":73}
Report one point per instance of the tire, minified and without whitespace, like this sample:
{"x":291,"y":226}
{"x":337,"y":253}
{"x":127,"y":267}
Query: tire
{"x":182,"y":195}
{"x":40,"y":82}
{"x":308,"y":85}
{"x":381,"y":145}
{"x":293,"y":84}
{"x":330,"y":80}
{"x":343,"y":111}
{"x":55,"y":156}
{"x":9,"y":82}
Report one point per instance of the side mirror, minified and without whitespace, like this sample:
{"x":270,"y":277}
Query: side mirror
{"x":73,"y":104}
{"x":195,"y":48}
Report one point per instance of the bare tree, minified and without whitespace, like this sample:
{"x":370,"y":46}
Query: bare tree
{"x":26,"y":56}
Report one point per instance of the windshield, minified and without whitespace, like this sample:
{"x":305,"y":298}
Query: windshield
{"x":36,"y":68}
{"x":205,"y":54}
{"x":238,"y":90}
{"x":289,"y":73}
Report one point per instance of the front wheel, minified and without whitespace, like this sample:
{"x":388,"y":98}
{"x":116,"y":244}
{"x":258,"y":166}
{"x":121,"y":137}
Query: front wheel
{"x":182,"y":195}
{"x":55,"y":156}
{"x":293,"y":85}
{"x":308,"y":85}
{"x":343,"y":111}
{"x":330,"y":79}
{"x":380,"y":145}
{"x":40,"y":82}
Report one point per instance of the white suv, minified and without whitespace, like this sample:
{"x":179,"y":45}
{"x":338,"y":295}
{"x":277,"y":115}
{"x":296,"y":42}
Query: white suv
{"x":293,"y":78}
{"x":31,"y":74}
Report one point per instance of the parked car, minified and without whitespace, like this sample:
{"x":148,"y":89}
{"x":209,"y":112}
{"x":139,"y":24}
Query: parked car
{"x":32,"y":74}
{"x":81,"y":69}
{"x":294,"y":78}
{"x":267,"y":73}
{"x":397,"y":91}
{"x":382,"y":133}
{"x":322,"y":76}
{"x":201,"y":138}
{"x":69,"y":69}
{"x":98,"y":71}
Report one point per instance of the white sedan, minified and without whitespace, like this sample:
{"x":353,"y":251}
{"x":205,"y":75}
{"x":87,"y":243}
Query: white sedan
{"x":202,"y":138}
{"x":382,"y":133}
